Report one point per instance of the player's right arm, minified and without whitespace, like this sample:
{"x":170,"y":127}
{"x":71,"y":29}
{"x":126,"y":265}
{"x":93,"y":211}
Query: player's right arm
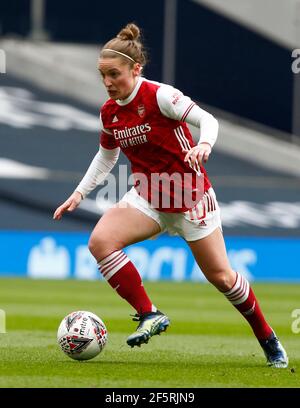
{"x":100,"y":167}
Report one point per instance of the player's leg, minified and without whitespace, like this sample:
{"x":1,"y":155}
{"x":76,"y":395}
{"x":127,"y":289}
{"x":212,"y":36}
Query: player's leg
{"x":118,"y":228}
{"x":210,"y":254}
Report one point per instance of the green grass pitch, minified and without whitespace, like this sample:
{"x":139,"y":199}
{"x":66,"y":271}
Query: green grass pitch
{"x":207,"y":345}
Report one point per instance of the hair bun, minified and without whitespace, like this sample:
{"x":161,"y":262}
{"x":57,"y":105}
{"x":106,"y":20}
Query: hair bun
{"x":130,"y":33}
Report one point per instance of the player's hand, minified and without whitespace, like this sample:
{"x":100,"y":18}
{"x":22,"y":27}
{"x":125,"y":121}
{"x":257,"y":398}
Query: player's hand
{"x":199,"y":153}
{"x":69,"y":205}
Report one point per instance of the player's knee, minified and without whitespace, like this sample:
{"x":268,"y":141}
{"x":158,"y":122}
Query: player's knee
{"x":222,"y":279}
{"x":101,"y":246}
{"x":92,"y":245}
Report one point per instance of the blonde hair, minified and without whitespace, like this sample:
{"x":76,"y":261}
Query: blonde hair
{"x":127,"y":45}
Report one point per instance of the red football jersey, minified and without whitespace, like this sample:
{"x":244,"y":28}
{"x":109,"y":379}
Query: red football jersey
{"x":149,"y":127}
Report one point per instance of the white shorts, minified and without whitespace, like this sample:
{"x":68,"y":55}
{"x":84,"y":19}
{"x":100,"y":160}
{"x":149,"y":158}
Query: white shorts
{"x":194,"y":224}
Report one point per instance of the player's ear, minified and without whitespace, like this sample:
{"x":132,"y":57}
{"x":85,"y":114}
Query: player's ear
{"x":137,"y":69}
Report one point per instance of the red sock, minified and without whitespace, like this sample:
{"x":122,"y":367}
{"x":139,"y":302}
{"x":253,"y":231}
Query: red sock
{"x":122,"y":276}
{"x":243,"y":298}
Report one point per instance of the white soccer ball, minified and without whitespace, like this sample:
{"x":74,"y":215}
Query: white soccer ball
{"x":82,"y":335}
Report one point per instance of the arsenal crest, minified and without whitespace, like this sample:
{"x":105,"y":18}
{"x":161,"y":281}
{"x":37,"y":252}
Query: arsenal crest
{"x":141,"y":110}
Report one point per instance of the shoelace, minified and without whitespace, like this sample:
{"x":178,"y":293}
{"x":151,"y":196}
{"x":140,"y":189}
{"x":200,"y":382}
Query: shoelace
{"x":138,"y":317}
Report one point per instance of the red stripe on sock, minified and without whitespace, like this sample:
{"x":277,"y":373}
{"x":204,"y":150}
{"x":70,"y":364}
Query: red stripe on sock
{"x":114,"y":265}
{"x":110,"y":265}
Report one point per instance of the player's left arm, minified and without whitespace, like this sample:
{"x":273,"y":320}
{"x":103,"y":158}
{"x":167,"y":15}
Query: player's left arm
{"x":175,"y":105}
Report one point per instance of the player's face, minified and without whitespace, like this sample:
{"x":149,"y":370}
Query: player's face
{"x":118,"y":77}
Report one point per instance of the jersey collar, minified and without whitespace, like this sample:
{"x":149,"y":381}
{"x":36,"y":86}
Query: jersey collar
{"x":132,"y":95}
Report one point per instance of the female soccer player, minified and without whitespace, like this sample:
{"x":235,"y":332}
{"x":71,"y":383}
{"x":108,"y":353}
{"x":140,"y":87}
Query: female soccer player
{"x":147,"y":121}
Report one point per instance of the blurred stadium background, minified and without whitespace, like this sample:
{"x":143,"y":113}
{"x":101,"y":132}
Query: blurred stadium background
{"x":234,"y":61}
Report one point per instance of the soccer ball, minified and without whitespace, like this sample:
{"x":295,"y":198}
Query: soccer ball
{"x":82,"y":335}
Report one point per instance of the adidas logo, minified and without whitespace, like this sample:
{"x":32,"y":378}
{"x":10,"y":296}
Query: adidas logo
{"x":115,"y":119}
{"x":202,"y":224}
